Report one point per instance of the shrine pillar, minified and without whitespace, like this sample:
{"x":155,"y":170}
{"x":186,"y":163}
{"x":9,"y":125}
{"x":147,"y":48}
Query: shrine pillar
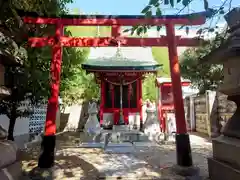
{"x":46,"y":159}
{"x":102,"y":102}
{"x":140,"y":102}
{"x":183,"y":148}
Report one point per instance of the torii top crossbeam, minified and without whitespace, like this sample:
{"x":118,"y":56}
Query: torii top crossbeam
{"x":123,"y":20}
{"x":115,"y":22}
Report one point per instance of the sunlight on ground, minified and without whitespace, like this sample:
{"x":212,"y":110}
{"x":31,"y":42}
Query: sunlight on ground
{"x":89,"y":163}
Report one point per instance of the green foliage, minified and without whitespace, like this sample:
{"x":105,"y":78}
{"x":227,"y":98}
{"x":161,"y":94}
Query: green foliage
{"x":160,"y":54}
{"x":78,"y":86}
{"x":203,"y":76}
{"x":89,"y":31}
{"x":71,"y":74}
{"x":29,"y":80}
{"x":35,"y":69}
{"x":149,"y":89}
{"x":91,"y":88}
{"x":153,"y":8}
{"x":154,"y":5}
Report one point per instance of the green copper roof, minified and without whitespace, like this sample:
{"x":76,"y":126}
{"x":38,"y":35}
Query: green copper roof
{"x":126,"y":58}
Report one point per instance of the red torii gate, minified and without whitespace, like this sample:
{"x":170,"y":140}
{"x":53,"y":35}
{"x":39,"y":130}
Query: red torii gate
{"x":183,"y":149}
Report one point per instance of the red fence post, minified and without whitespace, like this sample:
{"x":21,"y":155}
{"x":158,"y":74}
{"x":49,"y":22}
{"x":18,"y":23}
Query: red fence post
{"x":46,"y":159}
{"x":183,"y":148}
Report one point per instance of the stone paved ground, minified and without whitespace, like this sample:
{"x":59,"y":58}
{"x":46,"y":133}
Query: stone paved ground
{"x":74,"y":163}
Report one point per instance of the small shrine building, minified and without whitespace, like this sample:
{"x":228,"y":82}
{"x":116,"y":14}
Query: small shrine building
{"x":165,"y":103}
{"x":120,"y":73}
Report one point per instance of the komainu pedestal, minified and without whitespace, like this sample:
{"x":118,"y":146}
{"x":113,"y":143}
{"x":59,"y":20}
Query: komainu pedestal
{"x":225,"y":163}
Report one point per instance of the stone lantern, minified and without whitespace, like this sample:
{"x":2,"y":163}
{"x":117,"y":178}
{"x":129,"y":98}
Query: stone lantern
{"x":225,"y":163}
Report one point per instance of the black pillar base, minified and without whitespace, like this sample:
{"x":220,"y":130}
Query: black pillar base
{"x":183,"y":149}
{"x":46,"y":159}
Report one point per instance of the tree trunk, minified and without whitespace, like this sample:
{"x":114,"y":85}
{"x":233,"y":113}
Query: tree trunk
{"x":12,"y":118}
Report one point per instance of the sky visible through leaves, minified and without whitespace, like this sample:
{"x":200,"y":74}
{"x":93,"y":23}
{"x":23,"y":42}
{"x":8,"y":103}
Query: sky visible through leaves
{"x":134,"y":7}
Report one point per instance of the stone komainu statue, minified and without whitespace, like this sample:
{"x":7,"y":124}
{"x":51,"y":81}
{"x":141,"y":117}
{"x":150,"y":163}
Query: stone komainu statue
{"x":92,"y":126}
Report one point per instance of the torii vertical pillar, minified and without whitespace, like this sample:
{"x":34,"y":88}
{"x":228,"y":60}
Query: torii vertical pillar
{"x":46,"y":159}
{"x":183,"y":148}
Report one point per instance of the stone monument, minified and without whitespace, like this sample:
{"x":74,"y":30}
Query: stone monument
{"x":225,"y":163}
{"x":151,"y":126}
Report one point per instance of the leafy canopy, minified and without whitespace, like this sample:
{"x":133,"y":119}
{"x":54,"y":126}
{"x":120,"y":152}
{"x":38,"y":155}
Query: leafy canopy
{"x":160,"y":54}
{"x":154,"y":8}
{"x":81,"y":86}
{"x":149,"y":89}
{"x":30,"y":80}
{"x":203,"y":76}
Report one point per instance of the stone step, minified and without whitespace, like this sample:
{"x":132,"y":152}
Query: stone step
{"x":124,"y":147}
{"x":145,"y":144}
{"x":90,"y":145}
{"x":226,"y":149}
{"x":121,"y":128}
{"x":119,"y":150}
{"x":11,"y":172}
{"x":219,"y":170}
{"x":126,"y":136}
{"x":122,"y":144}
